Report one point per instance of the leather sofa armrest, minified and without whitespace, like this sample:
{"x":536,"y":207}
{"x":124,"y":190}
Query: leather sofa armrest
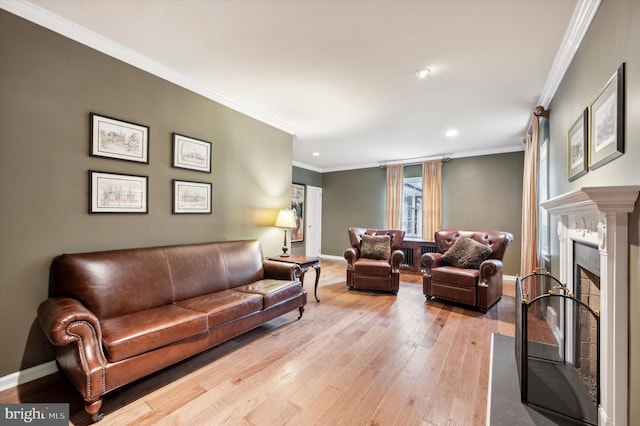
{"x":488,"y":269}
{"x":397,"y":257}
{"x":282,"y":270}
{"x":66,"y":321}
{"x":430,"y":261}
{"x":351,"y":255}
{"x":63,"y":319}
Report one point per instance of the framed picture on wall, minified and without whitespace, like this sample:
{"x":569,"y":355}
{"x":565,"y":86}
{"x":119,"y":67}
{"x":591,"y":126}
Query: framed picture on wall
{"x":191,"y":153}
{"x":191,"y":197}
{"x":117,"y":193}
{"x":118,"y":139}
{"x":607,"y":122}
{"x":297,"y":205}
{"x":577,"y":147}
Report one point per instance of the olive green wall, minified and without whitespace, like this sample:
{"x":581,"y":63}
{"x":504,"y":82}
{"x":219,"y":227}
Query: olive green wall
{"x":485,"y":193}
{"x":48,"y":87}
{"x":612,"y":38}
{"x":306,"y":177}
{"x":481,"y":193}
{"x":351,"y":198}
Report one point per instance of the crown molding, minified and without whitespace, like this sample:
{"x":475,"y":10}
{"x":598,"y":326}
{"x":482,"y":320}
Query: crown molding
{"x":580,"y":21}
{"x":410,"y":161}
{"x":307,"y":166}
{"x":73,"y":31}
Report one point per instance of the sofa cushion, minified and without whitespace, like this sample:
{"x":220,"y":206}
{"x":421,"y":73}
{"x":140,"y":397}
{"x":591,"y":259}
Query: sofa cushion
{"x":375,"y":247}
{"x":272,"y":291}
{"x":466,"y":253}
{"x":223,"y":306}
{"x":132,"y":334}
{"x":196,"y":269}
{"x":365,"y":266}
{"x":455,"y":276}
{"x":113,"y":283}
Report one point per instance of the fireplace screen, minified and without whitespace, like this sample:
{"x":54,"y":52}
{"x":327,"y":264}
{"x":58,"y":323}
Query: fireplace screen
{"x":557,"y":349}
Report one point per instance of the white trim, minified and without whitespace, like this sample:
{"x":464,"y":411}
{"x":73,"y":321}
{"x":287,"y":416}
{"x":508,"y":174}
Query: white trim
{"x":611,"y":205}
{"x":332,"y":257}
{"x":407,"y":161}
{"x":307,"y":166}
{"x":60,"y":25}
{"x":580,"y":21}
{"x":20,"y":377}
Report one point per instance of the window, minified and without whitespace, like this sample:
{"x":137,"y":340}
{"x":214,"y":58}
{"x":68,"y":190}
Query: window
{"x":543,"y":194}
{"x":412,"y":206}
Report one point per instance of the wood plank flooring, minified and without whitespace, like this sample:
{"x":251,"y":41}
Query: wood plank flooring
{"x":355,"y":358}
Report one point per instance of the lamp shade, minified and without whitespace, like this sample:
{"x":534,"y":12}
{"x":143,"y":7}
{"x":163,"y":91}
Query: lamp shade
{"x":286,"y":219}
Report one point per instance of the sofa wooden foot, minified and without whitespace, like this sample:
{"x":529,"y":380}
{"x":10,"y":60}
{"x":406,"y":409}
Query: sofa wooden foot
{"x":301,"y":309}
{"x":93,"y":408}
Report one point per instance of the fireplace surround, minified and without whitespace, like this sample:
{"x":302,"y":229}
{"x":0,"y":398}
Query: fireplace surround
{"x":599,"y":216}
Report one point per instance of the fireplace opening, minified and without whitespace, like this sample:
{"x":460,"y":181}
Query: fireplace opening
{"x":586,"y":279}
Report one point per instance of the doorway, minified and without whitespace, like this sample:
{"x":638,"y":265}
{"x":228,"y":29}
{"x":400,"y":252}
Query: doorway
{"x":314,"y":221}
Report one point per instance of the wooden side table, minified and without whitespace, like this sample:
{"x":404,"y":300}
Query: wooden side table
{"x":305,"y":263}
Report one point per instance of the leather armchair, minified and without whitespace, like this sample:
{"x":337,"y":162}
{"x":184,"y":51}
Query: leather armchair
{"x":479,"y":287}
{"x":374,"y":274}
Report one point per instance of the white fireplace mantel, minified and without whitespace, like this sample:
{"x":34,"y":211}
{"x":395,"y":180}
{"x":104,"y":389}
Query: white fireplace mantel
{"x":611,"y":205}
{"x":604,"y":199}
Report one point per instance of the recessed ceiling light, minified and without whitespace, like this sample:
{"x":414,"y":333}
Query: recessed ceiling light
{"x":423,"y":73}
{"x":451,"y":133}
{"x":316,"y":154}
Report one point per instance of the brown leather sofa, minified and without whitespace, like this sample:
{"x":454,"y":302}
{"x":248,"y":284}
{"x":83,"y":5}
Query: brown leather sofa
{"x":451,"y":277}
{"x":116,"y":316}
{"x":374,"y":272}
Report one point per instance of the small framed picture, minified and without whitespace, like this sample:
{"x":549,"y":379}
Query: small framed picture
{"x":607,"y":122}
{"x":191,"y":153}
{"x":117,"y":193}
{"x":297,"y":205}
{"x":119,"y":139}
{"x":191,"y":197}
{"x":577,"y":146}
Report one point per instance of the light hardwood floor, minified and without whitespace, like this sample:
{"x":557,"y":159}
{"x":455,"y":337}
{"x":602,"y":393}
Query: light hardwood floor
{"x":355,"y":358}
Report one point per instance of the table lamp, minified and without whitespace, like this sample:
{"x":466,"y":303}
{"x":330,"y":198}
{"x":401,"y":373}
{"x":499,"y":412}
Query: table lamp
{"x":286,"y":219}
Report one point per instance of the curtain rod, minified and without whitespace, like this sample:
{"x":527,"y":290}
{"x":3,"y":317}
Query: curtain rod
{"x":538,"y":112}
{"x":413,"y":161}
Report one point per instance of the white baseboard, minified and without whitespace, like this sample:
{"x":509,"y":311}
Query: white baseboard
{"x":332,"y":257}
{"x":20,"y":377}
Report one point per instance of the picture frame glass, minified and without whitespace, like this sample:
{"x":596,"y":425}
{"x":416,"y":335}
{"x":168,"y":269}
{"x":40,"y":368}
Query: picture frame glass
{"x":298,"y":205}
{"x":607,"y":121}
{"x":192,"y":197}
{"x":118,"y":139}
{"x":191,"y":153}
{"x":604,"y":119}
{"x":117,"y":193}
{"x":577,"y":147}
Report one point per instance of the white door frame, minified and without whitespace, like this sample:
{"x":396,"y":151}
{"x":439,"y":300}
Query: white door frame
{"x":313,"y":221}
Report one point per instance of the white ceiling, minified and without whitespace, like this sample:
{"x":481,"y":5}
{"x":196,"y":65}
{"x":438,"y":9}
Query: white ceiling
{"x":339,"y":74}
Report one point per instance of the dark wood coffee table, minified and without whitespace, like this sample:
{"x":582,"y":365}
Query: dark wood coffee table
{"x":305,"y":263}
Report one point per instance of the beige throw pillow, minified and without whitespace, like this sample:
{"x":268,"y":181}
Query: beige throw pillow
{"x":466,"y":253}
{"x":375,"y":247}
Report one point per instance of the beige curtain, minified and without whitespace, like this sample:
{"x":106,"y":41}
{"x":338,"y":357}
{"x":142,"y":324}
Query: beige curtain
{"x":395,"y":175}
{"x":431,"y":198}
{"x":528,"y":250}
